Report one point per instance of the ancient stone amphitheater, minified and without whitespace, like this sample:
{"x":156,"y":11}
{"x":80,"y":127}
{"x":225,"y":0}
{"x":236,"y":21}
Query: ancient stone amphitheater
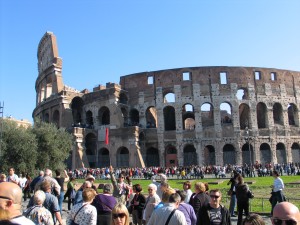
{"x":185,"y":116}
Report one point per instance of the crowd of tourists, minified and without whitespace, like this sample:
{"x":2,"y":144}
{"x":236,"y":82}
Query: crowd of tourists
{"x":120,"y":202}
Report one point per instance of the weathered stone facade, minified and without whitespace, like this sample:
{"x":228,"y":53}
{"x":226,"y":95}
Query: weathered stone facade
{"x":195,"y":115}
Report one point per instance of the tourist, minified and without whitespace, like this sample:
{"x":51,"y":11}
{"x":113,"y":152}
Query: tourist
{"x":286,"y":212}
{"x":55,"y":187}
{"x":71,"y":192}
{"x":12,"y":177}
{"x":242,"y":190}
{"x":151,"y":201}
{"x":188,"y":192}
{"x":137,"y":205}
{"x":165,"y":198}
{"x":120,"y":215}
{"x":277,"y":190}
{"x":36,"y":180}
{"x":121,"y":189}
{"x":2,"y":178}
{"x":61,"y":180}
{"x":104,"y":204}
{"x":84,"y":213}
{"x":254,"y":219}
{"x":26,"y":190}
{"x":232,"y":193}
{"x":78,"y":197}
{"x":187,"y":209}
{"x":199,"y":198}
{"x":214,"y":212}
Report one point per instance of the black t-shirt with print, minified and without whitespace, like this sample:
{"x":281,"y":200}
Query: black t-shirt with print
{"x":215,"y":216}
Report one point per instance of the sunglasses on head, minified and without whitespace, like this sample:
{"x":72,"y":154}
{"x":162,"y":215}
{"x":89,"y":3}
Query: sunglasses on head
{"x":118,"y":215}
{"x":214,"y":196}
{"x":280,"y":222}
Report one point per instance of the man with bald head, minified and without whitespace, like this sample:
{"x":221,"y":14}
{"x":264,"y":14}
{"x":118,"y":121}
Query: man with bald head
{"x":10,"y":204}
{"x":286,"y":213}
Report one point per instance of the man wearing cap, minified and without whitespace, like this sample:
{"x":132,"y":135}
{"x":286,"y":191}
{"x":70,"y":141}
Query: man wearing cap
{"x":91,"y":179}
{"x":10,"y":204}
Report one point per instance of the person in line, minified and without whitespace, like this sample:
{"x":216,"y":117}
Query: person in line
{"x":91,"y":179}
{"x":151,"y":201}
{"x":104,"y":204}
{"x":187,"y":209}
{"x":243,"y":202}
{"x":78,"y":197}
{"x":188,"y":192}
{"x":120,"y":215}
{"x":36,"y":180}
{"x":70,"y":193}
{"x":165,"y":198}
{"x":168,"y":213}
{"x":2,"y":177}
{"x":286,"y":212}
{"x":10,"y":204}
{"x":214,"y":212}
{"x":254,"y":219}
{"x":84,"y":213}
{"x":26,"y":190}
{"x":38,"y":213}
{"x":55,"y":187}
{"x":121,"y":189}
{"x":199,"y":199}
{"x":61,"y":180}
{"x":232,"y":182}
{"x":12,"y":177}
{"x":137,"y":204}
{"x":277,"y":190}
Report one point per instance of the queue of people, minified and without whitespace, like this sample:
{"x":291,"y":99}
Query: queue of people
{"x":163,"y":205}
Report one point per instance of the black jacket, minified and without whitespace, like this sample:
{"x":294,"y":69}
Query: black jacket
{"x":204,"y":219}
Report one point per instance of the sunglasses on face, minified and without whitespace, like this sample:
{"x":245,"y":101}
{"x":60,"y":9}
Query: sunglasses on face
{"x":214,"y":196}
{"x":280,"y":222}
{"x":118,"y":215}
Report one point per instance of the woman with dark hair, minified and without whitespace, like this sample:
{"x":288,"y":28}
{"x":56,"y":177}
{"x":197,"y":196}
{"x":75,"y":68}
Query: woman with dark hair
{"x":277,"y":188}
{"x":187,"y":190}
{"x":137,"y":205}
{"x":104,"y":204}
{"x":26,"y":189}
{"x":242,"y":190}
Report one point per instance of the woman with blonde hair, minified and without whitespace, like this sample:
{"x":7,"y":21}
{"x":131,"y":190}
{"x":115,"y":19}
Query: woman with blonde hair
{"x":120,"y":215}
{"x":254,"y":219}
{"x":199,"y":198}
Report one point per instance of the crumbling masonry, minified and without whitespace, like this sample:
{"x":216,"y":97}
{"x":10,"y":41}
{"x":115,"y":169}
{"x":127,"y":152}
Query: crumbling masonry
{"x":185,"y":116}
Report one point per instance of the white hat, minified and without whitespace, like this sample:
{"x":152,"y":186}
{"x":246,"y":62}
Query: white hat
{"x":90,"y":177}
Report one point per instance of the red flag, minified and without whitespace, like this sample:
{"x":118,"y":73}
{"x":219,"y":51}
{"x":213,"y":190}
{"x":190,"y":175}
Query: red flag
{"x":106,"y":136}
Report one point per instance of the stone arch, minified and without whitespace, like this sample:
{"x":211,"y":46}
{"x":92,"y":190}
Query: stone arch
{"x":89,"y":119}
{"x":151,"y":117}
{"x":242,"y":93}
{"x":293,"y":114}
{"x":125,"y":116}
{"x":229,"y":154}
{"x":90,"y":148}
{"x":169,"y":97}
{"x":123,"y":99}
{"x":281,"y":153}
{"x":171,"y":156}
{"x":296,"y":152}
{"x":152,"y":157}
{"x":262,"y":115}
{"x":46,"y":118}
{"x":244,"y":113}
{"x":104,"y":116}
{"x":103,"y":158}
{"x":277,"y":114}
{"x":247,"y":156}
{"x":77,"y":106}
{"x":190,"y":155}
{"x":188,"y":117}
{"x":225,"y":112}
{"x":169,"y":118}
{"x":122,"y":157}
{"x":55,"y":118}
{"x":134,"y":117}
{"x":207,"y":114}
{"x":209,"y":155}
{"x":265,"y":154}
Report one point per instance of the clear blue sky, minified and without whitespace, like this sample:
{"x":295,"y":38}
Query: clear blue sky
{"x":99,"y":41}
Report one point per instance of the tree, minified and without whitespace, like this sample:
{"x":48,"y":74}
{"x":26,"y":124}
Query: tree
{"x":54,"y":145}
{"x":18,"y":148}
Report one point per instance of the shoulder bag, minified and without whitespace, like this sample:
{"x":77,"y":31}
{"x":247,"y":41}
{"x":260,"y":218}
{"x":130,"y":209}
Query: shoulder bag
{"x":73,"y":220}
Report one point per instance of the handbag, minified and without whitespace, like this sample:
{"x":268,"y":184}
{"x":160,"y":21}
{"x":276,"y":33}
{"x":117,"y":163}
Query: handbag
{"x":73,"y":220}
{"x":250,"y":194}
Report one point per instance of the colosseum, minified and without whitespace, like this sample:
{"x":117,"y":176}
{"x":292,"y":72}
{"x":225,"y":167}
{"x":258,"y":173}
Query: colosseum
{"x":185,"y":116}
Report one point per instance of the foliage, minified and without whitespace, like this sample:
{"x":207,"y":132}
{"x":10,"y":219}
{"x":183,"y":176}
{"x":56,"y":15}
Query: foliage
{"x":18,"y":148}
{"x":54,"y":145}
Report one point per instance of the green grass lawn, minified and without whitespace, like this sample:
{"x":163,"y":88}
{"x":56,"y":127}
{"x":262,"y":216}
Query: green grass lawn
{"x":260,"y":187}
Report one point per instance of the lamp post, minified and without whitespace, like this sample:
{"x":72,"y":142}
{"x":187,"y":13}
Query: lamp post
{"x":248,"y":141}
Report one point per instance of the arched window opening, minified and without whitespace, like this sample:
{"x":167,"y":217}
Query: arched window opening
{"x":134,"y":117}
{"x":188,"y":117}
{"x":229,"y":155}
{"x":265,"y":154}
{"x":89,"y":119}
{"x":49,"y":87}
{"x":244,"y":112}
{"x":56,"y":118}
{"x":104,"y":116}
{"x":207,"y":115}
{"x":151,"y":117}
{"x":261,"y":115}
{"x":123,"y":98}
{"x":242,"y":94}
{"x":170,"y":97}
{"x":46,"y":117}
{"x":152,"y":157}
{"x":281,"y":153}
{"x":296,"y":153}
{"x":209,"y":155}
{"x":90,"y":149}
{"x":123,"y":157}
{"x":189,"y":156}
{"x":169,"y":118}
{"x":225,"y":111}
{"x":171,"y":156}
{"x":292,"y":114}
{"x":247,"y":155}
{"x":76,"y":106}
{"x":103,"y":158}
{"x":277,"y":114}
{"x":125,"y":116}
